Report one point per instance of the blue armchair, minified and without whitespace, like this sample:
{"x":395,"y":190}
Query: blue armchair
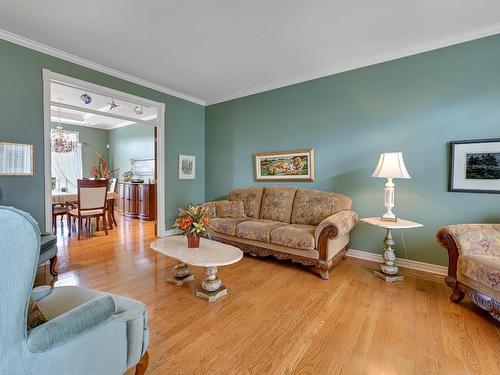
{"x":87,"y":332}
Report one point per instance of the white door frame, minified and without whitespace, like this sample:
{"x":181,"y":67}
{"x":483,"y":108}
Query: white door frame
{"x":49,"y":77}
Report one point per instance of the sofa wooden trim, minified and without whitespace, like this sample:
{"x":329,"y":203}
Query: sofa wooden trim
{"x":459,"y":289}
{"x":322,"y":264}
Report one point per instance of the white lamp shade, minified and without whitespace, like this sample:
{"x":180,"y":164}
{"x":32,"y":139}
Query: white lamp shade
{"x":391,"y":165}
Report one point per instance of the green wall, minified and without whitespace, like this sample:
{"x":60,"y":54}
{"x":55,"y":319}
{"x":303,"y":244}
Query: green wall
{"x":132,"y":141}
{"x":93,"y":140}
{"x":21,"y":120}
{"x":415,"y":105}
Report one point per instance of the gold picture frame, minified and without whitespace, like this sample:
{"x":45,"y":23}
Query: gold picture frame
{"x":291,"y":165}
{"x":16,"y":159}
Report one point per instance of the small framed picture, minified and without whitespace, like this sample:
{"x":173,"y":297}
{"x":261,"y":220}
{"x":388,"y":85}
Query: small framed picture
{"x":16,"y":159}
{"x":475,"y":166}
{"x":187,"y":167}
{"x":293,"y":165}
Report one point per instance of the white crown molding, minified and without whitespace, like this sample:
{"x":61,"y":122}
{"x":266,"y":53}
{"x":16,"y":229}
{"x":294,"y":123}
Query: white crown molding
{"x":31,"y":44}
{"x":405,"y":263}
{"x":457,"y":39}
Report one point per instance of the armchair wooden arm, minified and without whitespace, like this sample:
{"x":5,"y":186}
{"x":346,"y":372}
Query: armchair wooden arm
{"x":469,"y":240}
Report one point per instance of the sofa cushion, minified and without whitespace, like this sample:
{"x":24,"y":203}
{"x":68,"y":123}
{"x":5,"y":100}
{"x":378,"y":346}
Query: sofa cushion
{"x":251,"y":199}
{"x":232,"y":209}
{"x":296,"y":235}
{"x":259,"y":230}
{"x":312,"y":206}
{"x":210,"y":206}
{"x":483,"y":269}
{"x":277,"y":203}
{"x":342,"y":202}
{"x":47,"y":241}
{"x":225,"y":225}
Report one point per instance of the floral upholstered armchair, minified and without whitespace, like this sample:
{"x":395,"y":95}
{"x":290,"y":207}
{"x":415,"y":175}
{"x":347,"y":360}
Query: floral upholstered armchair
{"x":474,"y":263}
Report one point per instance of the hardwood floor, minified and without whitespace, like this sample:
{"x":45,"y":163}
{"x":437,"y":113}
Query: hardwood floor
{"x":281,"y":319}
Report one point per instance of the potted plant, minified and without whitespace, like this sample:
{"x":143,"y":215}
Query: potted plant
{"x":193,"y":221}
{"x":101,"y":170}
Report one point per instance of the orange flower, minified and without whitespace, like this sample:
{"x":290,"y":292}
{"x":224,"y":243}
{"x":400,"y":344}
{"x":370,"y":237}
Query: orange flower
{"x":184,"y":223}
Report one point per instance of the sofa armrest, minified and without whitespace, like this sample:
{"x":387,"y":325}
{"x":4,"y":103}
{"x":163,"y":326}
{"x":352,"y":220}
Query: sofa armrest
{"x":468,"y":239}
{"x":70,"y":324}
{"x":336,"y":225}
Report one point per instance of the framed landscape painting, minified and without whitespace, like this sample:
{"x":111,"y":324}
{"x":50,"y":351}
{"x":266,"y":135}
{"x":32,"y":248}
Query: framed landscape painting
{"x":475,"y":166}
{"x":294,"y":165}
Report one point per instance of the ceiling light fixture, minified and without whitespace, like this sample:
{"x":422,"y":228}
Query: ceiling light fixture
{"x":139,"y":110}
{"x":60,"y":140}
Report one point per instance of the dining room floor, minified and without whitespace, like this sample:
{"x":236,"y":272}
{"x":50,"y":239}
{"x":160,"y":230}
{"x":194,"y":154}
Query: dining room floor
{"x":280,"y":318}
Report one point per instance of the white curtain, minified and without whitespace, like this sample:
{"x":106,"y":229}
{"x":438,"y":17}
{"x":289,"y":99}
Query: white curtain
{"x":67,"y":167}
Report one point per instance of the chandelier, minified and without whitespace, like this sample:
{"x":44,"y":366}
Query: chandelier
{"x":62,"y":141}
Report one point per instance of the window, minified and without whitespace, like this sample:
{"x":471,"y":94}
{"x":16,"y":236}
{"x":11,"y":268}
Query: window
{"x":67,"y":167}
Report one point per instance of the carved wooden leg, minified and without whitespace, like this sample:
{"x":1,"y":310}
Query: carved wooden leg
{"x":68,"y":219}
{"x":324,"y":271}
{"x":79,"y":228}
{"x":457,"y":296}
{"x":140,"y":368}
{"x":52,"y":268}
{"x":104,"y":223}
{"x":113,"y":213}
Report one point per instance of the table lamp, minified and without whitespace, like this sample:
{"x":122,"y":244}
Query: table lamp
{"x":390,"y":165}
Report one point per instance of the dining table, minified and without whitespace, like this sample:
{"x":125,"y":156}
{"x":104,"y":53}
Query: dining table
{"x":69,"y":196}
{"x":63,"y":197}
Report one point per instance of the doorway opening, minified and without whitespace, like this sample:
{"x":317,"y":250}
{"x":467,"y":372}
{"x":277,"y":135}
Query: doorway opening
{"x":91,"y":130}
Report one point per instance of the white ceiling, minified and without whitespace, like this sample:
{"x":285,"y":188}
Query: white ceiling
{"x":80,"y":113}
{"x":219,"y":50}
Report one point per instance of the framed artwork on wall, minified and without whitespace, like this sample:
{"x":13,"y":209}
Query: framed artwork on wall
{"x":293,"y":165}
{"x":475,"y":166}
{"x":142,"y":166}
{"x":16,"y":159}
{"x":187,"y":167}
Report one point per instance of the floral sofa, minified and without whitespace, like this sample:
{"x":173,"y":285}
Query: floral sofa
{"x":306,"y":226}
{"x":474,"y":263}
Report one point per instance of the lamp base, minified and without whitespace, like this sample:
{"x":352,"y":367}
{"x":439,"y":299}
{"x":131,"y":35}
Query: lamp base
{"x":388,"y":218}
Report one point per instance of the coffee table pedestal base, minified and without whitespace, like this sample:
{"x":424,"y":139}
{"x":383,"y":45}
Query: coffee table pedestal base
{"x":181,"y":274}
{"x":212,"y":296}
{"x":211,"y":288}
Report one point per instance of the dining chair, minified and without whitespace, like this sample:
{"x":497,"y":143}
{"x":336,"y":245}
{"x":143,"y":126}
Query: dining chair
{"x":91,"y":203}
{"x":58,"y":209}
{"x":111,"y":202}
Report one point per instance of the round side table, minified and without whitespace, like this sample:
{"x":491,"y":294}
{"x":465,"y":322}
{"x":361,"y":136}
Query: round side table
{"x":388,"y":269}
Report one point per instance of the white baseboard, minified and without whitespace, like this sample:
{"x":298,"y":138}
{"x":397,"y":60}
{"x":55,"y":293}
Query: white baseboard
{"x":171,"y":232}
{"x":405,"y":263}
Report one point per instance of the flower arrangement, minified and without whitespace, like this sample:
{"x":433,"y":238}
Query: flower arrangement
{"x":101,"y":170}
{"x":193,"y":221}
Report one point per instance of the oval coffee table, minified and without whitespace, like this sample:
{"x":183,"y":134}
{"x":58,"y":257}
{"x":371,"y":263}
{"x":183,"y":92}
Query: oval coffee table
{"x":211,"y":254}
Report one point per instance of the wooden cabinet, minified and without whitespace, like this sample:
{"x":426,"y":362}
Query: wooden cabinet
{"x":137,"y":201}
